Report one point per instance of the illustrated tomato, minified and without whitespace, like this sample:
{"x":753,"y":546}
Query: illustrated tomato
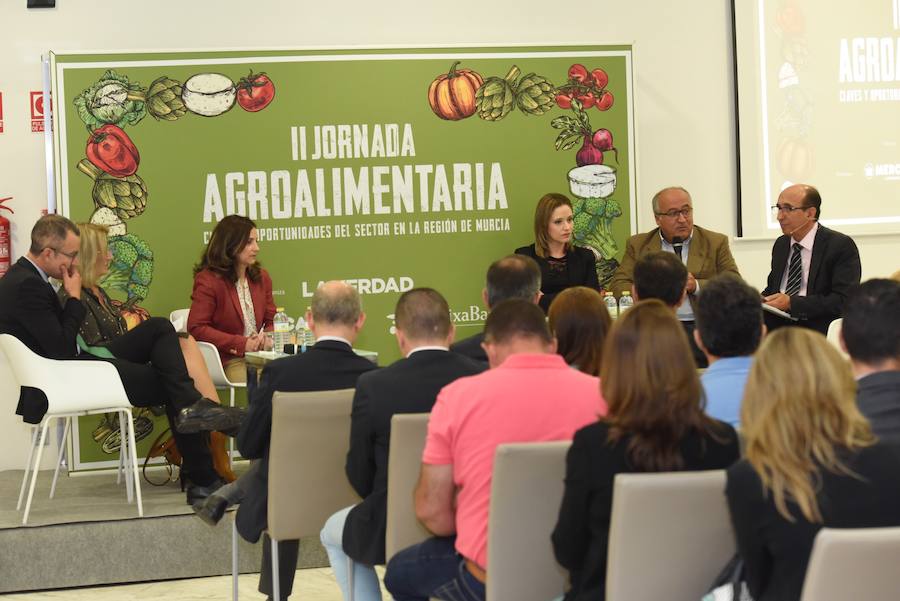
{"x":564,"y":101}
{"x":600,"y":78}
{"x":587,"y":100}
{"x":578,"y":72}
{"x":110,"y":149}
{"x":605,"y":101}
{"x":255,"y":92}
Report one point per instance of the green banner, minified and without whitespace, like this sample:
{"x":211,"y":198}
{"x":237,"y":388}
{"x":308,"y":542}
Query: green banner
{"x":387,"y":168}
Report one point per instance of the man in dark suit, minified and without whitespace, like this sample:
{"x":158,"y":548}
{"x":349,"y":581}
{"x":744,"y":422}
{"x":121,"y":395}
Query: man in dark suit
{"x":148,"y":358}
{"x":514,"y":276}
{"x":410,"y":385}
{"x":813,"y":267}
{"x":870,"y":333}
{"x":335,"y":318}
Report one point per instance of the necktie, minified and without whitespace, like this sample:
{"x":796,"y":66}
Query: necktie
{"x":677,"y":249}
{"x":795,"y":271}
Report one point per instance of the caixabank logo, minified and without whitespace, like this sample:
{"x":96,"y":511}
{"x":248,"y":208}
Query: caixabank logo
{"x":467,"y":322}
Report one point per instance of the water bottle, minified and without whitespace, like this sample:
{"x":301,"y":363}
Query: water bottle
{"x":625,"y":302}
{"x":282,"y":333}
{"x":610,"y":301}
{"x":305,"y":337}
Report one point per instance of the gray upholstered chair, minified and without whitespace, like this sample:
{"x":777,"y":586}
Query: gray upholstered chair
{"x":404,"y":460}
{"x":854,"y":563}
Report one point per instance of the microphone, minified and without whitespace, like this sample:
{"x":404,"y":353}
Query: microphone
{"x":801,"y":226}
{"x":677,"y":246}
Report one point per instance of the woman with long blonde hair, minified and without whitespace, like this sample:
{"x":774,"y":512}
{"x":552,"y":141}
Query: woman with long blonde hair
{"x":655,"y":423}
{"x":811,"y":461}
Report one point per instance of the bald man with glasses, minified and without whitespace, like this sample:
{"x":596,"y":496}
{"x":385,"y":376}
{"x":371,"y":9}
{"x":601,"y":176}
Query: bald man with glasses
{"x":705,"y":253}
{"x":813,"y":267}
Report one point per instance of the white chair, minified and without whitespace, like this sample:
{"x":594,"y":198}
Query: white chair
{"x":73,"y":389}
{"x":310,"y":440}
{"x":669,"y":535}
{"x":854,"y":563}
{"x":526,"y":491}
{"x":834,"y":335}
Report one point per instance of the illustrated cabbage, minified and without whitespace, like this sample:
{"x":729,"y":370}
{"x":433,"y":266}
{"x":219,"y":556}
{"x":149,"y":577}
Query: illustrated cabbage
{"x":113,"y":99}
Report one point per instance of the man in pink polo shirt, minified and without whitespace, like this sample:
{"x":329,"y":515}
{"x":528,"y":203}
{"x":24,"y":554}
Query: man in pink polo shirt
{"x":528,"y":395}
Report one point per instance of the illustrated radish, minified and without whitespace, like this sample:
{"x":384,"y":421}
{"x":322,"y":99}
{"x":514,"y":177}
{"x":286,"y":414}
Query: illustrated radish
{"x":589,"y":154}
{"x":602,"y":140}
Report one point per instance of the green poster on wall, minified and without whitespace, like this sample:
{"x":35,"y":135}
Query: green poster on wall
{"x":389,"y":168}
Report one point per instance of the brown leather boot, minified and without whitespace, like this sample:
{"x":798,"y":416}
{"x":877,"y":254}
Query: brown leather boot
{"x":218,"y":446}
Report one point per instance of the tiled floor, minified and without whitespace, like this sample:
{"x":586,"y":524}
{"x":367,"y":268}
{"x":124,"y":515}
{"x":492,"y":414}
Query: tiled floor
{"x":309,"y":585}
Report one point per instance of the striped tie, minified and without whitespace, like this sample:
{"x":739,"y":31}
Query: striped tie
{"x":795,"y":272}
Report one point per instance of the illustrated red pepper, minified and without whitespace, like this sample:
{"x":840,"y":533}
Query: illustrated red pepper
{"x":110,"y":149}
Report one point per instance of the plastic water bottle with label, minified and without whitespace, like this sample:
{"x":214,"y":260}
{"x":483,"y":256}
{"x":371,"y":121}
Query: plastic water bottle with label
{"x":610,"y":301}
{"x":625,"y":302}
{"x":282,"y":327}
{"x":305,"y":337}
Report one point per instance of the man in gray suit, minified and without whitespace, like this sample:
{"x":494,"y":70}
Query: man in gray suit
{"x":870,"y":333}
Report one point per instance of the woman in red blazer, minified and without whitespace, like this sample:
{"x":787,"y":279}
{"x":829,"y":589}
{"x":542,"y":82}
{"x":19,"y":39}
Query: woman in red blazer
{"x":232,"y":302}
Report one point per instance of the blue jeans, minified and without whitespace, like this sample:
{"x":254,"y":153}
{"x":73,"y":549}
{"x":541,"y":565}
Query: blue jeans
{"x":365,"y":580}
{"x":431,"y":569}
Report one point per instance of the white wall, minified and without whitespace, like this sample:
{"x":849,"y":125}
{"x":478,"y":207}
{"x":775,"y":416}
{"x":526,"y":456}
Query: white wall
{"x":683,"y":86}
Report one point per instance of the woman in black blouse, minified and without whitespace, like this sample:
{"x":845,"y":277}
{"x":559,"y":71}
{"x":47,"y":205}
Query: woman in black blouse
{"x":562,"y":264}
{"x":811,"y":461}
{"x":655,"y":423}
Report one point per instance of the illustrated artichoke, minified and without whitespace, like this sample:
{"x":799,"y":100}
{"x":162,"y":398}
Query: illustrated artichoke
{"x":131,"y":269}
{"x":535,"y":94}
{"x":163,"y":99}
{"x":113,"y":99}
{"x":126,"y":196}
{"x":496,"y":98}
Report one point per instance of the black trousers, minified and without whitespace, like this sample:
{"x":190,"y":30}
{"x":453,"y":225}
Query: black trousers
{"x":151,"y":365}
{"x":288,"y":553}
{"x":699,"y":358}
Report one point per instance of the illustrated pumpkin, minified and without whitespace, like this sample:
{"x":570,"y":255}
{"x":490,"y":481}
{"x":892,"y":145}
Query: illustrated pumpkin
{"x":452,"y":96}
{"x":794,"y":159}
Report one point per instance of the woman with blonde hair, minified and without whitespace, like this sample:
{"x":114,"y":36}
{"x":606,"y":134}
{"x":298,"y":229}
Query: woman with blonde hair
{"x":562,"y":264}
{"x":580,"y":321}
{"x":655,"y":423}
{"x":811,"y":462}
{"x":103,"y":322}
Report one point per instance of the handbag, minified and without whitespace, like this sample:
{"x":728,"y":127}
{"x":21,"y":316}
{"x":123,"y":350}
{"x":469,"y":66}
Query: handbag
{"x":730,"y":584}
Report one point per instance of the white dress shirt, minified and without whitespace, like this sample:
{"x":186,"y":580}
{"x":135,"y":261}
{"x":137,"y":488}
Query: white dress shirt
{"x":805,"y":259}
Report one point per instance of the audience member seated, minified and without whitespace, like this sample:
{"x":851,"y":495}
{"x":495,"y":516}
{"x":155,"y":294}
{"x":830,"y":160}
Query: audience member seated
{"x":103,"y":322}
{"x":580,"y":322}
{"x":729,"y":327}
{"x":562,"y":264}
{"x":514,"y":276}
{"x":335,"y":318}
{"x":870,"y":334}
{"x":148,"y":358}
{"x":662,"y":276}
{"x":410,"y":385}
{"x":231,"y":304}
{"x":655,"y":424}
{"x":528,"y":395}
{"x":811,"y":462}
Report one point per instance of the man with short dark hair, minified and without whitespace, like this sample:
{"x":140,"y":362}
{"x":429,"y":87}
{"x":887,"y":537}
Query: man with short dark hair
{"x":513,"y":276}
{"x":335,"y":317}
{"x":147,"y":358}
{"x":729,"y":328}
{"x":662,"y":276}
{"x":813,"y":267}
{"x":870,"y":333}
{"x":528,"y":395}
{"x":410,"y":385}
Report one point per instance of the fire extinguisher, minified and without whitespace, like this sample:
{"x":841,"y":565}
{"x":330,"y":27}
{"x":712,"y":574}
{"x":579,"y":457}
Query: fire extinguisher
{"x":5,"y":249}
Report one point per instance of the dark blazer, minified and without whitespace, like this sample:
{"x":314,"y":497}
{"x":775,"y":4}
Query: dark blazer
{"x":581,"y":270}
{"x":471,"y":348}
{"x":708,"y":256}
{"x":878,"y":398}
{"x":776,"y":551}
{"x":216,"y":315}
{"x":581,"y":535}
{"x":833,"y":270}
{"x":409,"y":385}
{"x":31,"y":311}
{"x":328,"y":365}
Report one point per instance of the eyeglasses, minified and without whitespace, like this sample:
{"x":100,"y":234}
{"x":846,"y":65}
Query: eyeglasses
{"x":786,"y":209}
{"x":676,"y":213}
{"x":71,"y":255}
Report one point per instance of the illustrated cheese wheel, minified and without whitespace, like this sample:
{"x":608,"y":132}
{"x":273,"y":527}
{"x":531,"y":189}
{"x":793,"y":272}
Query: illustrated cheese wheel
{"x":592,"y":181}
{"x":208,"y":94}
